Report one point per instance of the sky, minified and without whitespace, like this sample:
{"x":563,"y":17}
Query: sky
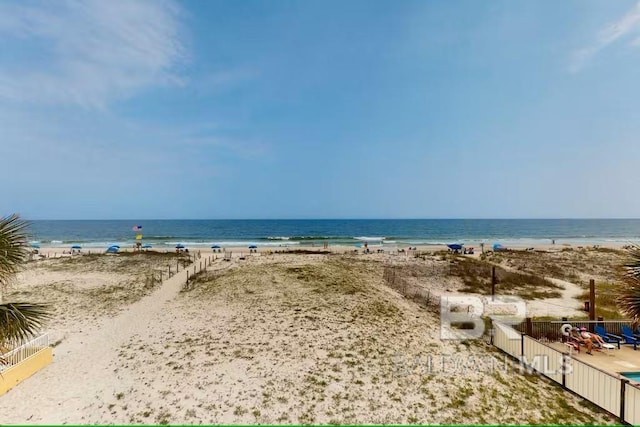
{"x":319,"y":109}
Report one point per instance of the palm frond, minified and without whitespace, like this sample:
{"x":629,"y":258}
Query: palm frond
{"x":629,"y":292}
{"x":20,"y":321}
{"x":13,"y":246}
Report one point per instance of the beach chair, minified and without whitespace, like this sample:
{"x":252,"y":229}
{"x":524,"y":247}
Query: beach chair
{"x":608,"y":338}
{"x":568,"y":340}
{"x":629,"y":337}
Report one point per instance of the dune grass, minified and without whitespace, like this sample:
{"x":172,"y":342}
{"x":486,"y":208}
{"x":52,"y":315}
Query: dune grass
{"x":476,"y":276}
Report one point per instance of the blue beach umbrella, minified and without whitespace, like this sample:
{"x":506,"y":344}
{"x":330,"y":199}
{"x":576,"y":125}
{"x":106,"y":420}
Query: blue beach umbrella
{"x":76,"y":247}
{"x":253,"y":247}
{"x":497,"y":247}
{"x":215,"y":247}
{"x":113,"y":249}
{"x":146,"y":246}
{"x":179,"y":246}
{"x":455,"y":246}
{"x":35,"y":245}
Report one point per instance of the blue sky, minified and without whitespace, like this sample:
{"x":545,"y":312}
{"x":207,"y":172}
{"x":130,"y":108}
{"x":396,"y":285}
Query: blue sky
{"x":319,"y":109}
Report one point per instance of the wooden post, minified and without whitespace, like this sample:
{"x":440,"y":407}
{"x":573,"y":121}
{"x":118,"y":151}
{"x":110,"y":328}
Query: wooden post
{"x":177,"y":265}
{"x":623,"y":384}
{"x":592,"y":302}
{"x":494,"y":280}
{"x":529,"y":326}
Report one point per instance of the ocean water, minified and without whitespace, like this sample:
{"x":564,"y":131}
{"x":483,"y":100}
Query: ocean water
{"x":168,"y":233}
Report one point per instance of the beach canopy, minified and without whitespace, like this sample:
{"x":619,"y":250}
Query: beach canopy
{"x":497,"y":246}
{"x":215,"y":247}
{"x":253,"y":247}
{"x":455,"y":246}
{"x":113,"y":248}
{"x":146,"y":246}
{"x":35,"y":245}
{"x":76,"y":247}
{"x":179,"y":246}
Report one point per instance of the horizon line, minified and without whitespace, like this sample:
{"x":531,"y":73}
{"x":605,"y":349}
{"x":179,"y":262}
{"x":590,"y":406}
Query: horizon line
{"x":339,"y":219}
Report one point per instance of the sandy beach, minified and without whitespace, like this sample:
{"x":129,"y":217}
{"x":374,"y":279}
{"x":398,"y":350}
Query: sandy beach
{"x":275,"y":338}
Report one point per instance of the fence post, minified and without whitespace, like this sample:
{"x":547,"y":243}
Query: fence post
{"x":592,"y":302}
{"x":529,"y":327}
{"x":623,"y":386}
{"x":493,"y":282}
{"x":522,"y":334}
{"x":564,"y":370}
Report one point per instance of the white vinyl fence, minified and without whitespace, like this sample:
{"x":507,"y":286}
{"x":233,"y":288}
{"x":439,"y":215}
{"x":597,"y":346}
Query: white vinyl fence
{"x":632,"y":405}
{"x":23,"y":351}
{"x":612,"y":394}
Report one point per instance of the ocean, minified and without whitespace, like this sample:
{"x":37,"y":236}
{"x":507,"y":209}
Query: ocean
{"x":204,"y":233}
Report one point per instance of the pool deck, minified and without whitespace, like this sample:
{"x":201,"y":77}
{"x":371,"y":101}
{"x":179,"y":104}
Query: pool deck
{"x":612,"y":361}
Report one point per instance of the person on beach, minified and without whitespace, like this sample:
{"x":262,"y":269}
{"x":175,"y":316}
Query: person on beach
{"x":575,"y":335}
{"x":591,"y":336}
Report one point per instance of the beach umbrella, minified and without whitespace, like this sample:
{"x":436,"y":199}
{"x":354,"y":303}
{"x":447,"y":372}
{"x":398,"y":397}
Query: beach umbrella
{"x":455,"y":246}
{"x":497,"y":246}
{"x":253,"y":247}
{"x":146,"y":246}
{"x":215,"y":247}
{"x":113,"y":249}
{"x":179,"y":246}
{"x":76,"y":247}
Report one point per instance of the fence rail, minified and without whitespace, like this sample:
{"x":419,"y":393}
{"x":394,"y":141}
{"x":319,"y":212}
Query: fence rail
{"x":20,"y":353}
{"x":613,"y":394}
{"x":549,"y":330}
{"x":394,"y":278}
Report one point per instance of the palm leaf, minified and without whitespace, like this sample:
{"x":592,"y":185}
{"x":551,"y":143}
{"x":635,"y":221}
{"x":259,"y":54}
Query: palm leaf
{"x":20,"y":321}
{"x":629,"y":292}
{"x":13,"y":246}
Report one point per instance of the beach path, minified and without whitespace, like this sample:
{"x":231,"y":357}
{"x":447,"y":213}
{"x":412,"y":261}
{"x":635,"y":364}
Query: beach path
{"x":81,"y":377}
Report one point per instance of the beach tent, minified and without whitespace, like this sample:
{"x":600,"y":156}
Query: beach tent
{"x":455,"y":246}
{"x":113,"y":249}
{"x":146,"y":246}
{"x":498,"y":247}
{"x":35,"y":245}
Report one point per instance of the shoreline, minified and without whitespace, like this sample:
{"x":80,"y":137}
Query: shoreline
{"x":334,"y":248}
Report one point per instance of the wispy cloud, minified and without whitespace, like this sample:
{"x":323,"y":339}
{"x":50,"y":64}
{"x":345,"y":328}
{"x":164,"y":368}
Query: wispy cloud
{"x":614,"y":31}
{"x":88,"y":53}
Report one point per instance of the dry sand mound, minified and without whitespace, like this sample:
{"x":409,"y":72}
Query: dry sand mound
{"x":283,"y":339}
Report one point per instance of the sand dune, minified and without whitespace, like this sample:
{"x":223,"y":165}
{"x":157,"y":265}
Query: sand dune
{"x":273,"y":338}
